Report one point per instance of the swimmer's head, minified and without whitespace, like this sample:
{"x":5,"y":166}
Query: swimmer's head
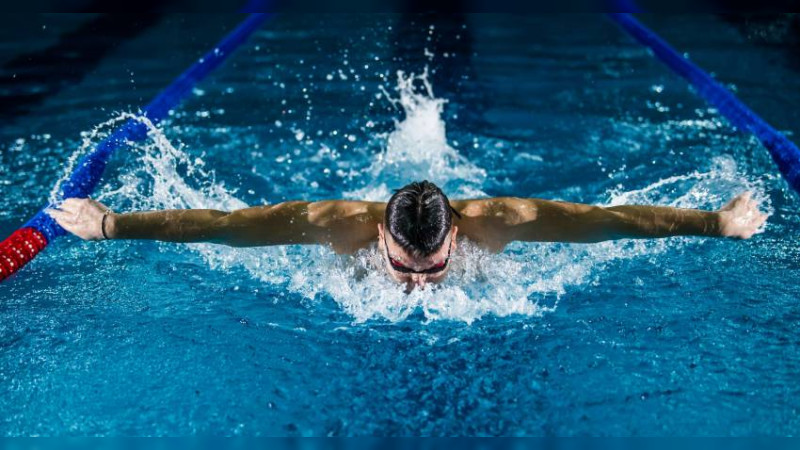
{"x":421,"y":236}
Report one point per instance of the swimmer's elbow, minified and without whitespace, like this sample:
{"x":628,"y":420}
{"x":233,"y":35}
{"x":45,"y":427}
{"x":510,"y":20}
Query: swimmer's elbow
{"x":602,"y":224}
{"x":280,"y":224}
{"x":586,"y":224}
{"x":229,"y":228}
{"x":609,"y":224}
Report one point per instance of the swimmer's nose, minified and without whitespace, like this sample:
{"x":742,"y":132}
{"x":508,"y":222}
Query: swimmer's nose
{"x":419,"y":280}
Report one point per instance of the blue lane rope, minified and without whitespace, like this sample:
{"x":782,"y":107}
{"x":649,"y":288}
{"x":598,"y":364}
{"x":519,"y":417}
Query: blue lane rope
{"x":25,"y":243}
{"x":90,"y":168}
{"x":785,"y":154}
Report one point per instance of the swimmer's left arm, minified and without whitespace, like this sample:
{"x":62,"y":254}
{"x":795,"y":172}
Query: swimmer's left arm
{"x":495,"y":222}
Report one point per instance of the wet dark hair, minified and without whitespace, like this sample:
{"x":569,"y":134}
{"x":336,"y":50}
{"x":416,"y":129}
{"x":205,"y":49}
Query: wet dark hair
{"x":419,"y":217}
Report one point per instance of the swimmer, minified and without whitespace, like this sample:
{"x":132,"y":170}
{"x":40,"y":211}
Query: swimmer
{"x":416,"y":230}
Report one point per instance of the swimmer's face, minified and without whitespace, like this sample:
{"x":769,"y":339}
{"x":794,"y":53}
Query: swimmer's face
{"x":398,"y":261}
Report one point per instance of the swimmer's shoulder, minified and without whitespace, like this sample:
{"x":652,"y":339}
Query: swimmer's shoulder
{"x":489,"y":222}
{"x":351,"y":224}
{"x":337,"y":210}
{"x":509,"y":210}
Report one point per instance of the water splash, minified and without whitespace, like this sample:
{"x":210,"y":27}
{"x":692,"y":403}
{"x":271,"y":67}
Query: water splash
{"x":417,"y":148}
{"x":704,"y":190}
{"x":528,"y":279}
{"x":88,"y":141}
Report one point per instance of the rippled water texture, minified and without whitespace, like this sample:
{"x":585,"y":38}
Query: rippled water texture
{"x":674,"y":336}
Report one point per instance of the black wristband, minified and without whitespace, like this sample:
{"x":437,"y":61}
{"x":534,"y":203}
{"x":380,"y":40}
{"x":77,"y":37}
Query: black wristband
{"x":103,"y":225}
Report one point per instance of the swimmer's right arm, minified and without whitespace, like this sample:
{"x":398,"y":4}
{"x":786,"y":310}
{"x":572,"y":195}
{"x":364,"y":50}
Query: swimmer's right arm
{"x":494,"y":222}
{"x":345,"y":225}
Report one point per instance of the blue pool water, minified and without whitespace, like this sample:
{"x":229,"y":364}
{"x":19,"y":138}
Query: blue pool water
{"x":677,"y":336}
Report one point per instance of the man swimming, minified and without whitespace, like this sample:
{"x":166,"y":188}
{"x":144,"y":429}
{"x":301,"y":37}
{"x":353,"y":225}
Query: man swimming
{"x":416,"y":230}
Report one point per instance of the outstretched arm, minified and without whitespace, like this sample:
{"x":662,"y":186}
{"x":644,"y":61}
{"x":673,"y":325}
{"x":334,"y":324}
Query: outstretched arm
{"x":497,"y":221}
{"x":345,"y":225}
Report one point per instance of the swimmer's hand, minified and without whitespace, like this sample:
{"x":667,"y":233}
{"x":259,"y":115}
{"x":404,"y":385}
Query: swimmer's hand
{"x":741,"y":218}
{"x":82,"y":217}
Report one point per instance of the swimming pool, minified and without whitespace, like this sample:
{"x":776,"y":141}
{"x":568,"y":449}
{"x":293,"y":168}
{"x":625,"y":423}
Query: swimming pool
{"x":677,"y":336}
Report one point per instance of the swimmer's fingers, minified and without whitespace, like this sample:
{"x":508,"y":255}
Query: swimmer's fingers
{"x":752,"y":205}
{"x":61,"y":216}
{"x":84,"y":207}
{"x":741,"y":217}
{"x":98,"y":205}
{"x":71,"y":204}
{"x":737,"y":202}
{"x":760,"y":220}
{"x":66,"y":220}
{"x":754,"y":224}
{"x":754,"y":214}
{"x":745,"y":197}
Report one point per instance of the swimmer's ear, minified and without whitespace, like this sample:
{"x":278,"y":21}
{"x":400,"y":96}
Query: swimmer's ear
{"x":455,"y":234}
{"x":380,"y":230}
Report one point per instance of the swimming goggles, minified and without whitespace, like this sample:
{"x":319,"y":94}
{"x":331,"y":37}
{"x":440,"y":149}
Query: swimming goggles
{"x":403,"y":269}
